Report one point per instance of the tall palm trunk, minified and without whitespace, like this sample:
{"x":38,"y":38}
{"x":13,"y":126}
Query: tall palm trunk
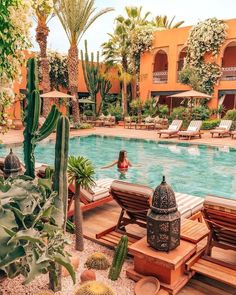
{"x":41,"y":37}
{"x":124,"y":97}
{"x":79,"y":241}
{"x":73,"y":79}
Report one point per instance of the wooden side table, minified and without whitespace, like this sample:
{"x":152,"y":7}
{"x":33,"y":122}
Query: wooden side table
{"x":193,"y":231}
{"x":168,"y":267}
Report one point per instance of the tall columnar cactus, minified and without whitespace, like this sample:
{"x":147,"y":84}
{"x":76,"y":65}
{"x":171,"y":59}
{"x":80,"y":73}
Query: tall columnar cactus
{"x":60,"y":186}
{"x":119,"y":258}
{"x":105,"y":86}
{"x":91,"y":70}
{"x":60,"y":168}
{"x":32,"y":134}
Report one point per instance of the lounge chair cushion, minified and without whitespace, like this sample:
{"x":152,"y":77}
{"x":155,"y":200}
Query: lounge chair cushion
{"x":192,"y":128}
{"x":173,"y":127}
{"x":104,"y":183}
{"x":220,"y":204}
{"x":97,"y":193}
{"x":188,"y":205}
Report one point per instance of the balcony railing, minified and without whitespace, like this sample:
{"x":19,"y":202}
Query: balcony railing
{"x":160,"y":77}
{"x":228,"y":73}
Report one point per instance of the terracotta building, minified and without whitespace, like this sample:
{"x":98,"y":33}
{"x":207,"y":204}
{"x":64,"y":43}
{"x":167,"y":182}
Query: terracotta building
{"x":16,"y":110}
{"x":160,"y":68}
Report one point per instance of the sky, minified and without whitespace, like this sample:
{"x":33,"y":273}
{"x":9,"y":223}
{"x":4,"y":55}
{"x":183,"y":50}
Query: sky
{"x":191,"y":11}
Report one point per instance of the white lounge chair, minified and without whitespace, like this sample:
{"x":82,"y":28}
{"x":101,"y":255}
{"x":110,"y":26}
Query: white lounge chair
{"x":192,"y":131}
{"x":173,"y":129}
{"x":223,"y":129}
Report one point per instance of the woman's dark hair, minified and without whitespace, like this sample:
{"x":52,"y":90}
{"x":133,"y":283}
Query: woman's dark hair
{"x":121,"y":156}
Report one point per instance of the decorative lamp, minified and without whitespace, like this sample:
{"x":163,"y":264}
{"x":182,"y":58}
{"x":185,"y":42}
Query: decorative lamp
{"x":12,"y":165}
{"x":163,"y":219}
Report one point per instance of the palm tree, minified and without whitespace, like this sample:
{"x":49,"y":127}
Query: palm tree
{"x":76,"y":16}
{"x":80,"y":172}
{"x":43,"y":11}
{"x":162,"y":22}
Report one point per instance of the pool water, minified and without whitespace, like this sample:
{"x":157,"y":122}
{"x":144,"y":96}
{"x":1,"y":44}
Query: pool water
{"x":196,"y":170}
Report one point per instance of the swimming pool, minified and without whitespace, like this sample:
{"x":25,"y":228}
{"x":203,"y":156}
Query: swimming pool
{"x":196,"y":170}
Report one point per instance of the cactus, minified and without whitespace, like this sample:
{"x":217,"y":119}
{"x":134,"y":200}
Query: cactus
{"x":119,"y":258}
{"x":94,"y":288}
{"x":60,"y":186}
{"x":32,"y":134}
{"x":91,"y":72}
{"x":97,"y":261}
{"x":60,"y":168}
{"x":105,"y":86}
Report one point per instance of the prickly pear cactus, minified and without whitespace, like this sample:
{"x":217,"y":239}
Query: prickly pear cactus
{"x":97,"y":261}
{"x":94,"y":288}
{"x":119,"y":258}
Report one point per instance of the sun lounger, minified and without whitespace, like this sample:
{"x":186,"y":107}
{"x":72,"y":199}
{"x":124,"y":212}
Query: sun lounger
{"x":223,"y":129}
{"x":233,"y":134}
{"x":96,"y":196}
{"x":135,"y":201}
{"x":192,"y":131}
{"x":172,"y":130}
{"x":220,"y":216}
{"x":110,"y":122}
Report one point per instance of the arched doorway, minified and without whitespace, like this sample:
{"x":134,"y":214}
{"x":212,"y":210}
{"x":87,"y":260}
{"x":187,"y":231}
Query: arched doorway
{"x":160,"y":69}
{"x":229,"y":62}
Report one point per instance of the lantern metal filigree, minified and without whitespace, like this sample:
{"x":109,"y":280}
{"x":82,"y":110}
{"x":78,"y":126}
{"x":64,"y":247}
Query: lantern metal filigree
{"x":163,"y":219}
{"x":12,"y":165}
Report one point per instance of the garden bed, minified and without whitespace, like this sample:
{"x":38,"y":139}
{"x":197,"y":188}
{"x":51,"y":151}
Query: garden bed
{"x":123,"y":286}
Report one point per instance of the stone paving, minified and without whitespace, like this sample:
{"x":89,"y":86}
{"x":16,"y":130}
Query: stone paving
{"x":16,"y":136}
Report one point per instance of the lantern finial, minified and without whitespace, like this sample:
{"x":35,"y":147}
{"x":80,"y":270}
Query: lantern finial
{"x":163,"y":179}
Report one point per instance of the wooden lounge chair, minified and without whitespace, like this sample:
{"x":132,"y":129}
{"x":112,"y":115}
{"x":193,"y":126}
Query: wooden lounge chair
{"x":93,"y":198}
{"x":233,"y":134}
{"x":110,"y":122}
{"x":192,"y":131}
{"x":172,"y":130}
{"x":223,"y":129}
{"x":220,"y":216}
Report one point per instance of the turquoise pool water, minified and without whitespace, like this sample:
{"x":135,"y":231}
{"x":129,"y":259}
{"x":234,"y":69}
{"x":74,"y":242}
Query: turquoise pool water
{"x":196,"y":170}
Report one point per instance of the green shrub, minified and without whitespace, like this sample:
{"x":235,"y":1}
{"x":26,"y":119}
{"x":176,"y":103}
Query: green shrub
{"x":136,"y":106}
{"x":88,"y":113}
{"x":116,"y":111}
{"x":231,"y":115}
{"x":179,"y":113}
{"x":162,"y":110}
{"x":150,"y":107}
{"x":200,"y":113}
{"x":210,"y":124}
{"x":82,"y":126}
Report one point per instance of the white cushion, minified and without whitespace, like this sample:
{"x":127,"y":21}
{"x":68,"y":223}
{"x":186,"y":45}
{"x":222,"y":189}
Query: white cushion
{"x":192,"y":128}
{"x":173,"y":127}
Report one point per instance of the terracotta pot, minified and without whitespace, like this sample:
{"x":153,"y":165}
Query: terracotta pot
{"x":147,"y":286}
{"x":75,"y":263}
{"x":87,"y":275}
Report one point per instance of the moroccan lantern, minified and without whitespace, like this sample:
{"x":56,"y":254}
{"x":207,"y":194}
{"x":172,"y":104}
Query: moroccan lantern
{"x":12,"y":165}
{"x":163,"y":219}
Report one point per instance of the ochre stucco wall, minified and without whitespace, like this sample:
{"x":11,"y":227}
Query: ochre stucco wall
{"x":172,"y":42}
{"x":15,"y":110}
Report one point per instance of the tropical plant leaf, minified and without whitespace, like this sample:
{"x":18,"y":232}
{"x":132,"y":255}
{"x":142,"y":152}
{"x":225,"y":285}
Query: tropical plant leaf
{"x":30,"y":235}
{"x":13,"y":256}
{"x":65,"y":261}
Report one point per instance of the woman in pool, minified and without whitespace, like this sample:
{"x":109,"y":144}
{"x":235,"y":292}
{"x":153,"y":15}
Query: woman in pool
{"x":122,"y":163}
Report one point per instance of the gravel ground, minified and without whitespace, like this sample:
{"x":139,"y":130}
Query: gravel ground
{"x":123,"y":286}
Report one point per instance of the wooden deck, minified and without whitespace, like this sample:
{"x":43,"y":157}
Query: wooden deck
{"x":101,"y":218}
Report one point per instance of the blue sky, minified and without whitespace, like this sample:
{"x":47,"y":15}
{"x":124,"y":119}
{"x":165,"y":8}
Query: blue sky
{"x":191,"y":11}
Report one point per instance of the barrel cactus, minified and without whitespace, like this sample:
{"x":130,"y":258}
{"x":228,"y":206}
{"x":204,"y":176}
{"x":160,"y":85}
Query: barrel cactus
{"x":97,"y":261}
{"x":32,"y":132}
{"x":119,"y":258}
{"x":45,"y":292}
{"x":94,"y":288}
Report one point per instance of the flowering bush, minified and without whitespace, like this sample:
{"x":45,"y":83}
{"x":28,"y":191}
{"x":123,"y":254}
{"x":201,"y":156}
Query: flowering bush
{"x":141,"y":41}
{"x":15,"y":25}
{"x":58,"y":70}
{"x":205,"y":37}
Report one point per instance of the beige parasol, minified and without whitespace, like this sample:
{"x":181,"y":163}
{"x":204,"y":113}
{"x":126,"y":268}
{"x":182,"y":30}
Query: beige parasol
{"x":56,"y":94}
{"x":191,"y":95}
